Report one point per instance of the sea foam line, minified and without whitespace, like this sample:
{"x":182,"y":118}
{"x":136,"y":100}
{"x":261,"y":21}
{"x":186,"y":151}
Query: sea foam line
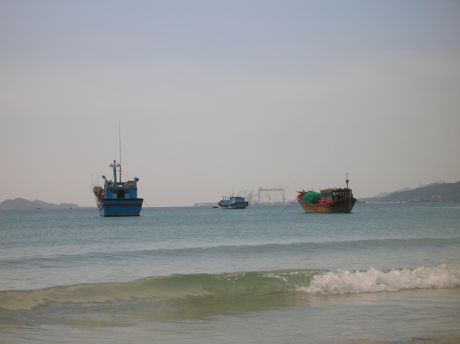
{"x":374,"y":280}
{"x":236,"y":284}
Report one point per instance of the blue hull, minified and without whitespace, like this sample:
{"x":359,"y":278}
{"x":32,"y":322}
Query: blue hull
{"x":240,"y":205}
{"x":120,"y":207}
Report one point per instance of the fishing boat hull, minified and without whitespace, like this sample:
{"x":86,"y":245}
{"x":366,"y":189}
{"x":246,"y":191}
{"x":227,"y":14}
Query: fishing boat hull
{"x":339,"y":206}
{"x":240,"y":205}
{"x":113,"y":207}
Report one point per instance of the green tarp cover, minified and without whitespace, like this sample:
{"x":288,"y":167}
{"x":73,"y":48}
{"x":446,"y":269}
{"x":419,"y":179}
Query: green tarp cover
{"x":311,"y":197}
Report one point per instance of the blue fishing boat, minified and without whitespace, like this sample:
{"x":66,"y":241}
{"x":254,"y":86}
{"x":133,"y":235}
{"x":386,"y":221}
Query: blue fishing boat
{"x":118,"y":198}
{"x":233,"y":202}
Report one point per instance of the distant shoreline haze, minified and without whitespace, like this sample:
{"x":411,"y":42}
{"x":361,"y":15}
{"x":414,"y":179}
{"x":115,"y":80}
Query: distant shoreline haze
{"x":437,"y":192}
{"x":24,"y":204}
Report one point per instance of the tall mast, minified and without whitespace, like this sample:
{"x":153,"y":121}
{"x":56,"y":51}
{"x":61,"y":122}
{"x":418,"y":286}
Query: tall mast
{"x":347,"y":180}
{"x":119,"y":148}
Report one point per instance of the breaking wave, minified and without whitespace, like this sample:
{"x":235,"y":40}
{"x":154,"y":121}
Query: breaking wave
{"x":247,"y":284}
{"x":374,"y":280}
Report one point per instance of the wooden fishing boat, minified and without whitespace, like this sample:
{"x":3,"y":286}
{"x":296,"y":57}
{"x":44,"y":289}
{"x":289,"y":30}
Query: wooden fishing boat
{"x":331,"y":200}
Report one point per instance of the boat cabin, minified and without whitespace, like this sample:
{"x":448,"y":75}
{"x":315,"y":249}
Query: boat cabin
{"x":126,"y":189}
{"x":237,"y":199}
{"x":335,"y":194}
{"x":117,"y":188}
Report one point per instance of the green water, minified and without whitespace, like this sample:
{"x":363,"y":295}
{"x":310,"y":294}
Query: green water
{"x":202,"y":275}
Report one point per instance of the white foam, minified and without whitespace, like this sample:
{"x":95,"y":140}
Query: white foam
{"x":374,"y":280}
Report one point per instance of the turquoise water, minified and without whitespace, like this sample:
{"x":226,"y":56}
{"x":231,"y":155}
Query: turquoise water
{"x":386,"y":274}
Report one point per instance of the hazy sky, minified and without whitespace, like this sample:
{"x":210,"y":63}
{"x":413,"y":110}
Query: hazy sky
{"x":220,"y":96}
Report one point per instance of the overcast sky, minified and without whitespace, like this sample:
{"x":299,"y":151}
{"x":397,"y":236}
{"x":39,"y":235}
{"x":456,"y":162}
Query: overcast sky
{"x":222,"y":96}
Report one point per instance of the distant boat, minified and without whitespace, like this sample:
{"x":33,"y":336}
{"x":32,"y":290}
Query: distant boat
{"x":331,"y":200}
{"x":233,"y":202}
{"x":118,"y":198}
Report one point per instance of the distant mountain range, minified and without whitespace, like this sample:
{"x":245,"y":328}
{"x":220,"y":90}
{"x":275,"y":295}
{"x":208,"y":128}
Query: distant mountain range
{"x":24,"y":204}
{"x":438,"y":192}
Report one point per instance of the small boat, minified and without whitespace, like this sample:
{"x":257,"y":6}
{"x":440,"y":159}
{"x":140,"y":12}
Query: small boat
{"x":233,"y":202}
{"x":331,"y":200}
{"x":118,"y":198}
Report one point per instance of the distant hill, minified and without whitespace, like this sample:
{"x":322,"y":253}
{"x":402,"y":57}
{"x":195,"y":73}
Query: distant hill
{"x":24,"y":204}
{"x":439,"y":192}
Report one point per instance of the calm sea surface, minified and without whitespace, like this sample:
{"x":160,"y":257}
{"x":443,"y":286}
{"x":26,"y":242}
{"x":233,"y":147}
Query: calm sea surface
{"x":383,"y":274}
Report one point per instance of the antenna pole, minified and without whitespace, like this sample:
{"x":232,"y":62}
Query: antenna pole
{"x":119,"y":146}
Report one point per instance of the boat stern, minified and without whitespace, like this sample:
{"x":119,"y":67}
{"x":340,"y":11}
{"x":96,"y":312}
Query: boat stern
{"x":120,"y":207}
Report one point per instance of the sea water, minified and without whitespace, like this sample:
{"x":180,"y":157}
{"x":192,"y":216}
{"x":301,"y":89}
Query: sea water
{"x":382,"y":274}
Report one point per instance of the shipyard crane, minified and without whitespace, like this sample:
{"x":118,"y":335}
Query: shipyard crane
{"x":268,"y":190}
